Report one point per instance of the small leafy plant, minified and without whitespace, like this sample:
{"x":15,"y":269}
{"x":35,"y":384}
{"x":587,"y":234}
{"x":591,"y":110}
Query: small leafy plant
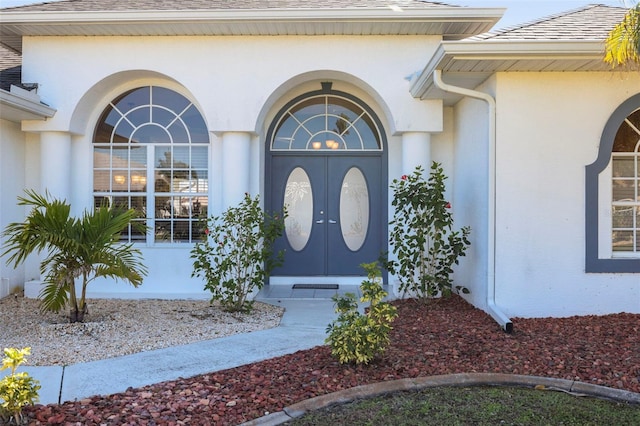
{"x":17,"y":390}
{"x":236,"y":255}
{"x":422,"y":236}
{"x":358,"y":338}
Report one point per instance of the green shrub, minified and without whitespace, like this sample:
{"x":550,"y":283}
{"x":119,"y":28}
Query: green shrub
{"x":422,"y":236}
{"x":236,"y":255}
{"x":17,"y":390}
{"x":358,"y":338}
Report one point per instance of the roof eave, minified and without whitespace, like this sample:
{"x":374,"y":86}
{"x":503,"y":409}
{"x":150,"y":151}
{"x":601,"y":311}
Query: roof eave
{"x":452,"y":23}
{"x":472,"y":62}
{"x":68,"y":17}
{"x":15,"y":108}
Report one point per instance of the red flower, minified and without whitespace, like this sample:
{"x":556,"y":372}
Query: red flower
{"x":448,"y":205}
{"x":404,"y":177}
{"x":206,"y":231}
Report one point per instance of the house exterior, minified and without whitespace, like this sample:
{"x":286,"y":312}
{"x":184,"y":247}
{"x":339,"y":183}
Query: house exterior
{"x":178,"y":109}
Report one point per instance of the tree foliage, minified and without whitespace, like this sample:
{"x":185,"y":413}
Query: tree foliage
{"x":622,"y":46}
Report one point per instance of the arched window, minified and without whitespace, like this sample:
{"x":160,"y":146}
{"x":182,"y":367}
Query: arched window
{"x":625,"y":163}
{"x":151,"y":151}
{"x":326,"y":122}
{"x":612,"y":195}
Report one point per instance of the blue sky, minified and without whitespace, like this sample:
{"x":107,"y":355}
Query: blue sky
{"x":518,"y":11}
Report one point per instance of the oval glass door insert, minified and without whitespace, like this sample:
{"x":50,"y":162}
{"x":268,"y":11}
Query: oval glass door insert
{"x":298,"y":199}
{"x":354,"y":209}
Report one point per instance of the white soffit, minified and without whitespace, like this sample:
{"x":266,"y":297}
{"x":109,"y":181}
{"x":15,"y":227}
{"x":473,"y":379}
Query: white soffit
{"x":453,"y":23}
{"x":469,"y":63}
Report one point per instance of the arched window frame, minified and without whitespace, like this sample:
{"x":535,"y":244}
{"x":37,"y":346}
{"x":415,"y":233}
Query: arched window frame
{"x":330,"y":136}
{"x":599,"y":204}
{"x":151,"y":153}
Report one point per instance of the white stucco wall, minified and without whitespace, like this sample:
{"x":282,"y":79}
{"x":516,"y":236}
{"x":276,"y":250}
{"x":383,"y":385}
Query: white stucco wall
{"x":442,"y":148}
{"x":239,"y":84}
{"x":549,"y":129}
{"x":470,"y":192}
{"x":232,"y":78}
{"x":12,"y":178}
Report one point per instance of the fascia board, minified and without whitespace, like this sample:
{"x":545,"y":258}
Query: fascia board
{"x":26,"y":108}
{"x":21,"y":22}
{"x":522,"y":49}
{"x":424,"y":80}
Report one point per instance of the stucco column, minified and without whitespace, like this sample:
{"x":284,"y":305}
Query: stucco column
{"x":256,"y":169}
{"x":81,"y":176}
{"x":236,"y":164}
{"x":55,"y":178}
{"x":55,"y":164}
{"x":416,"y":150}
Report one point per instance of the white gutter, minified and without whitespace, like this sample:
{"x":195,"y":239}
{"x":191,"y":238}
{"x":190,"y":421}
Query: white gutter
{"x":487,"y":16}
{"x":497,"y":49}
{"x":494,"y":311}
{"x":17,"y":105}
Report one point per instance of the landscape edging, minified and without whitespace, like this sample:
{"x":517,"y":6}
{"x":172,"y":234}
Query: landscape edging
{"x":461,"y":379}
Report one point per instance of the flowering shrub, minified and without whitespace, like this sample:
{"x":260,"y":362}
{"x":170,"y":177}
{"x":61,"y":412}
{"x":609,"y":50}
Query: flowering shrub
{"x":422,"y":237}
{"x":236,"y":255}
{"x":360,"y":338}
{"x":17,"y":390}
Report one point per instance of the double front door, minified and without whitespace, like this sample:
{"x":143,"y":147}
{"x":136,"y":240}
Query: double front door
{"x":336,"y":212}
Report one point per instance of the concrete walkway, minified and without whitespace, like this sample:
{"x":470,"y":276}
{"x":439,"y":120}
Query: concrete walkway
{"x":303,"y":326}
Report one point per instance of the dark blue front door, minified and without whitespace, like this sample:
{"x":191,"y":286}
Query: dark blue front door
{"x":336,"y":212}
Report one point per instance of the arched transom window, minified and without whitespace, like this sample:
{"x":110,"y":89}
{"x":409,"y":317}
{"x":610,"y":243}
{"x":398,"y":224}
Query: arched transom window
{"x":327,"y":123}
{"x":151,"y":151}
{"x":626,"y":186}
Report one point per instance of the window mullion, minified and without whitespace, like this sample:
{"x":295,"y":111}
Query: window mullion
{"x":151,"y":196}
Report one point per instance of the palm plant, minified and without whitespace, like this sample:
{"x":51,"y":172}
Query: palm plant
{"x":82,"y":248}
{"x":622,"y":46}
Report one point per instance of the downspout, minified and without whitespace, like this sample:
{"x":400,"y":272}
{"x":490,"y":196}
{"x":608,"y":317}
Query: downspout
{"x":492,"y":308}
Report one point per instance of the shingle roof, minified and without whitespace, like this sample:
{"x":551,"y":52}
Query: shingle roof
{"x":568,"y":42}
{"x":118,"y":5}
{"x":10,"y":68}
{"x":591,"y":22}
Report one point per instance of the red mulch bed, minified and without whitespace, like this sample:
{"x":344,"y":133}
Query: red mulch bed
{"x":447,"y":336}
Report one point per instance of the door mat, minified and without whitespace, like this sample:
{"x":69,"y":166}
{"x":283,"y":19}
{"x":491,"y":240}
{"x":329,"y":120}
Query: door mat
{"x":316,"y":286}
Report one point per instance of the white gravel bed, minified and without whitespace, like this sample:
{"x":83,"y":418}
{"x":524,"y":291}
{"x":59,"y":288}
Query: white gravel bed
{"x":115,"y":327}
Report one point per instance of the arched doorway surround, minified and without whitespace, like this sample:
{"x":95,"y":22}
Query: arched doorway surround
{"x":326,"y":160}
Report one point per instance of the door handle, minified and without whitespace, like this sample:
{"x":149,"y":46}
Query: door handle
{"x":331,"y":221}
{"x":320,"y":221}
